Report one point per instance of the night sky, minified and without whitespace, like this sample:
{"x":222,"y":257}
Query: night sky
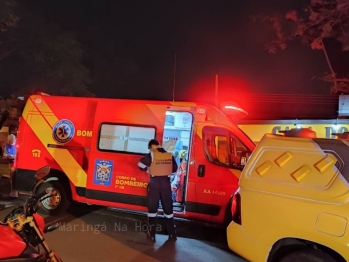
{"x":136,"y":42}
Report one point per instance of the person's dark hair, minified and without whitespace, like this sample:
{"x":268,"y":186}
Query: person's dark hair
{"x":153,"y":142}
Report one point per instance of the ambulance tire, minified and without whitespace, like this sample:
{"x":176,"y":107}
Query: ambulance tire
{"x":62,"y":199}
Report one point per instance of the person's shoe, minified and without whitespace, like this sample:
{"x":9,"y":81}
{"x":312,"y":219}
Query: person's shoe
{"x":172,"y":237}
{"x":151,"y":238}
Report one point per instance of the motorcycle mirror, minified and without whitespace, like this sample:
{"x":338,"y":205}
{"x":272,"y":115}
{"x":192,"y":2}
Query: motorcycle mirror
{"x":42,"y":172}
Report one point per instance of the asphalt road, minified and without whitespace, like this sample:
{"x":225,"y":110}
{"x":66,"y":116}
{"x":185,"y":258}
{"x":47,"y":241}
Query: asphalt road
{"x":93,"y":233}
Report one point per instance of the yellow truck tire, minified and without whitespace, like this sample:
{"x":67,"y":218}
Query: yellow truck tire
{"x":307,"y":255}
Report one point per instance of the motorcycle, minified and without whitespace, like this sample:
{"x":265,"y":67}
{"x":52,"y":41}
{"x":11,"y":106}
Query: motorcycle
{"x":22,"y":232}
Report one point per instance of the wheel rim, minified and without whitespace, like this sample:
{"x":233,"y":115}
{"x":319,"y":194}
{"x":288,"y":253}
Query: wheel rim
{"x":54,"y":201}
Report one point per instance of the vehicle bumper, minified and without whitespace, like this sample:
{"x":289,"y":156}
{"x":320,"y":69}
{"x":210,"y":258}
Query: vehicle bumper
{"x":245,"y":246}
{"x":22,"y":180}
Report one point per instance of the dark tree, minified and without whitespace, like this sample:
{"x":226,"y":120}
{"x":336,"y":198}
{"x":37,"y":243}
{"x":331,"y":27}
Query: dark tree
{"x":38,"y":55}
{"x":320,"y":21}
{"x":8,"y":17}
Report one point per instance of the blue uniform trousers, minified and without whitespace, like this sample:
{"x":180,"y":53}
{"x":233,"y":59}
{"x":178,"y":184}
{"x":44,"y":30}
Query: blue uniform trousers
{"x":160,"y":189}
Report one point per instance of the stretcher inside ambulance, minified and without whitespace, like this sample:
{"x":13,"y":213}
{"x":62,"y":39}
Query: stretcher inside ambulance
{"x":93,"y":146}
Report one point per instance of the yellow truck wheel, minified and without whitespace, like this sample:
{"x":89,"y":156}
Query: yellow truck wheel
{"x":307,"y":255}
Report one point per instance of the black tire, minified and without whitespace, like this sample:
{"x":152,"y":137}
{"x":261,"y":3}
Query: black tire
{"x":59,"y":204}
{"x":307,"y":255}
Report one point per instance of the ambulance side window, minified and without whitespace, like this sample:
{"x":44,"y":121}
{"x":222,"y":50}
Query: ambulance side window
{"x":235,"y":151}
{"x":125,"y":138}
{"x":216,"y":145}
{"x":221,"y":147}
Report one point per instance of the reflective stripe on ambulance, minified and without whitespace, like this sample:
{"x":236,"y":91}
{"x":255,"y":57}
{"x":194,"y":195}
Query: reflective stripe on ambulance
{"x":41,"y":121}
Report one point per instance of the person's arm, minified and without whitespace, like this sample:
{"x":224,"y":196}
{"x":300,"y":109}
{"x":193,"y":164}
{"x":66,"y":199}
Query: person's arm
{"x":11,"y":154}
{"x":144,"y":163}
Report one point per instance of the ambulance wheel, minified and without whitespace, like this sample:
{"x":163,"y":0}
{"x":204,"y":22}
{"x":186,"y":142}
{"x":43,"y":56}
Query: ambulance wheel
{"x":56,"y":204}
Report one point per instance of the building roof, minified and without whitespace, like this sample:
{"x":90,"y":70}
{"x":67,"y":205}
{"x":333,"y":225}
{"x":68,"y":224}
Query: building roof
{"x":274,"y":106}
{"x":281,"y":106}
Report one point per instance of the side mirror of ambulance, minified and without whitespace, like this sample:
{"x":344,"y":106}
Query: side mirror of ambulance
{"x":243,"y":158}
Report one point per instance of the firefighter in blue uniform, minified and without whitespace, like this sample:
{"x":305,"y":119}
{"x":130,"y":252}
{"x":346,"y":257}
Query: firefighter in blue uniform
{"x":160,"y":165}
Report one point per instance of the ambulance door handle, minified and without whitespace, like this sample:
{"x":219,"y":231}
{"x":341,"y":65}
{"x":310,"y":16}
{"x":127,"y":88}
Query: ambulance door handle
{"x":201,"y":171}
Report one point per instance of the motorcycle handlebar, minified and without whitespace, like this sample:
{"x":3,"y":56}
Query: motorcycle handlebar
{"x":33,"y":201}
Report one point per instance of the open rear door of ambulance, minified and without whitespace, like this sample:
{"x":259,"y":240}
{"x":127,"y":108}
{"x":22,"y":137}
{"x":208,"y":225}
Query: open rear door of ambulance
{"x":177,"y":139}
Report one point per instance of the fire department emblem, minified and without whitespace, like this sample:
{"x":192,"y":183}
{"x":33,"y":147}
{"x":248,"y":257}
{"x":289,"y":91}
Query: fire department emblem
{"x":63,"y":131}
{"x":103,"y":172}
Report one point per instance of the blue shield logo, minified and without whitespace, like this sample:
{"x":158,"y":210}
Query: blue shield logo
{"x":103,"y":172}
{"x":63,"y":131}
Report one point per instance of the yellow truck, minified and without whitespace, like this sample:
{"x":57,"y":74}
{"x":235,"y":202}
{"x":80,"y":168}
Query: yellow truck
{"x":293,"y":201}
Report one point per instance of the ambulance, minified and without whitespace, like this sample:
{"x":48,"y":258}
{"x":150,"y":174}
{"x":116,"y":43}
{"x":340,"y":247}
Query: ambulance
{"x":93,"y":146}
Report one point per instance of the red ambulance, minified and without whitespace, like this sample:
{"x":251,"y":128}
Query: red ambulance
{"x":93,"y":146}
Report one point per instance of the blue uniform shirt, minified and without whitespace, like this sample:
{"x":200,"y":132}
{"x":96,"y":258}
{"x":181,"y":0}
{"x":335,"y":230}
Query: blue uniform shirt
{"x":10,"y":150}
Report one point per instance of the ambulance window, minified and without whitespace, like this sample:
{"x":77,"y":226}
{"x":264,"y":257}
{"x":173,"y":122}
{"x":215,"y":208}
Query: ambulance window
{"x":221,"y":147}
{"x":125,"y":138}
{"x":216,"y":145}
{"x":236,"y":147}
{"x":177,"y":132}
{"x":235,"y":151}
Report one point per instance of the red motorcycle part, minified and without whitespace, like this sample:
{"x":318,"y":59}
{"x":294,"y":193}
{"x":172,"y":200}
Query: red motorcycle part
{"x":11,"y":244}
{"x":40,"y":222}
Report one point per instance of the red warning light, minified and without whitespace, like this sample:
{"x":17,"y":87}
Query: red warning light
{"x":234,"y":110}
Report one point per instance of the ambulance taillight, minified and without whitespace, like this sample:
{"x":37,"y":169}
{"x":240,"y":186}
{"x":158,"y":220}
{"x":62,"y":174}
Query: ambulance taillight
{"x":236,"y":208}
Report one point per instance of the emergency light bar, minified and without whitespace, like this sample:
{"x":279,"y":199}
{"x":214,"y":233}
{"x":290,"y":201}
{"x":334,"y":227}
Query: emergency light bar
{"x":233,"y":109}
